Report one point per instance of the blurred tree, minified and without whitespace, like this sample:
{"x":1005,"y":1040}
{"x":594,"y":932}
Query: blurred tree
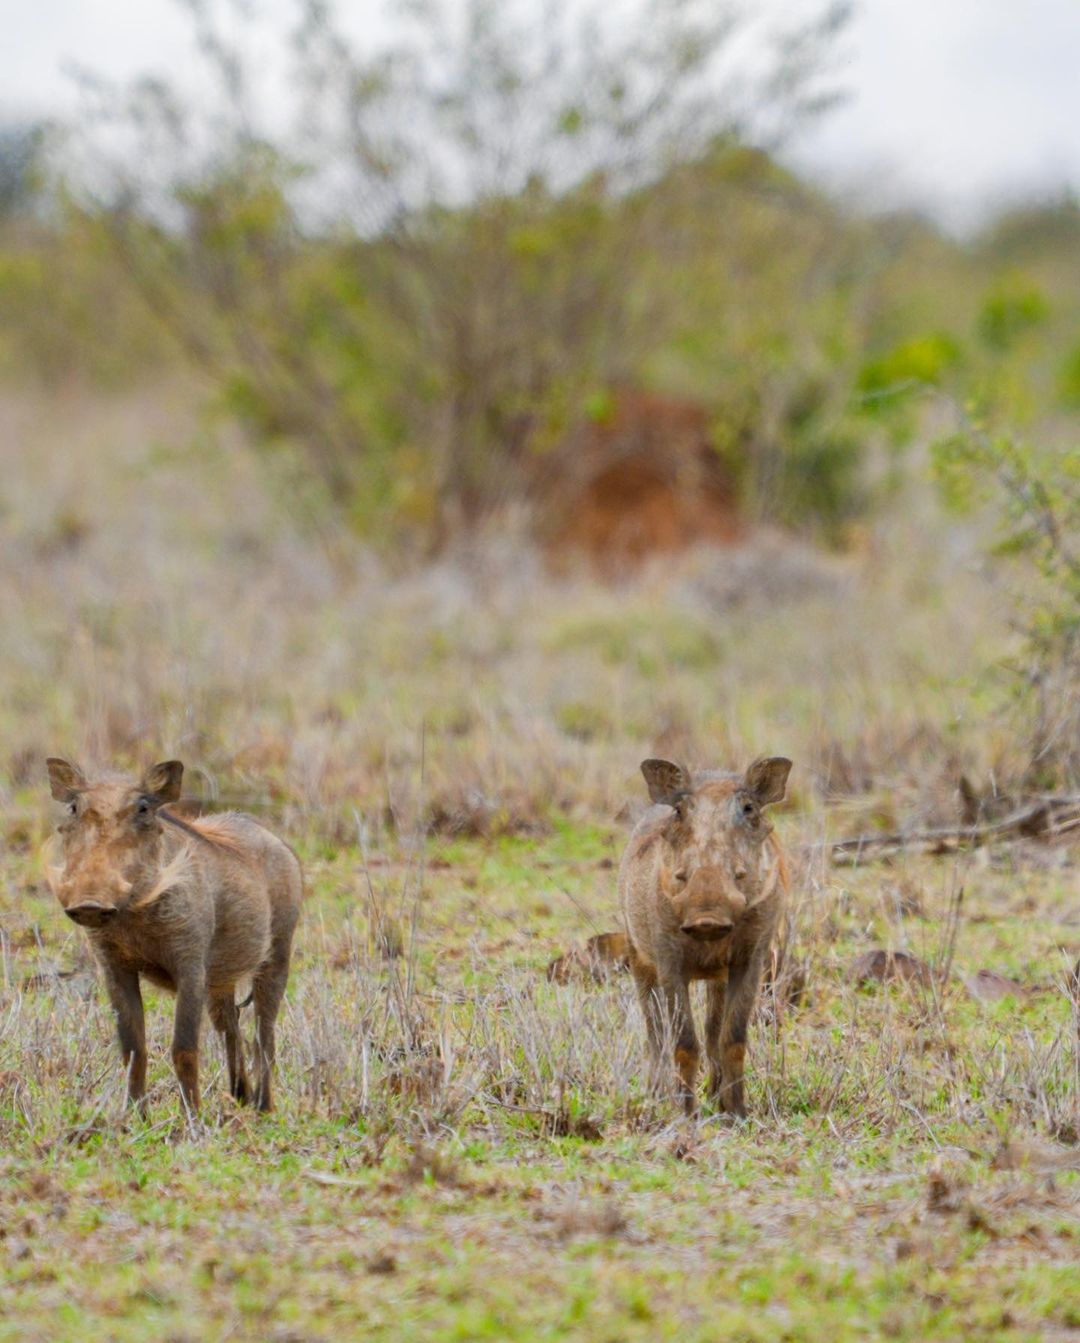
{"x":1035,"y":494}
{"x":1012,"y":309}
{"x":20,"y":162}
{"x":470,"y":236}
{"x":60,"y":285}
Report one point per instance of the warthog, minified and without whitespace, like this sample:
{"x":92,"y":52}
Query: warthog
{"x":194,"y":906}
{"x":701,"y":887}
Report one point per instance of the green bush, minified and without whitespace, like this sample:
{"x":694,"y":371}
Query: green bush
{"x":1035,"y":494}
{"x":1009,"y":312}
{"x":924,"y":361}
{"x":823,"y":481}
{"x":1069,"y":380}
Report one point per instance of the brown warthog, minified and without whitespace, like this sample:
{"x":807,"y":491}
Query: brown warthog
{"x":701,"y":886}
{"x":195,"y":906}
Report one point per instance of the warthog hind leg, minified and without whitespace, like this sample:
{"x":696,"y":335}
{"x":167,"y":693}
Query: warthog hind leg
{"x":190,"y":1003}
{"x":269,"y":989}
{"x":226,"y":1018}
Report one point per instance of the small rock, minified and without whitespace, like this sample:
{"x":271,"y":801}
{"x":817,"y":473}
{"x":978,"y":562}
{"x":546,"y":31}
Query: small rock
{"x":883,"y":967}
{"x":989,"y":987}
{"x":1038,"y":1158}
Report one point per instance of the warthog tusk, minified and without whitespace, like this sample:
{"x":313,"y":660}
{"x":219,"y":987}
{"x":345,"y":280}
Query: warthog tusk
{"x":168,"y":877}
{"x":769,"y":887}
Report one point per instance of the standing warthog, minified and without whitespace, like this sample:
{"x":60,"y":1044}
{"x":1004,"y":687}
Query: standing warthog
{"x":701,"y":886}
{"x":194,"y":906}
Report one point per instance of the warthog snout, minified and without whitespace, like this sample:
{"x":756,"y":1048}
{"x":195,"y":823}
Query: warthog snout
{"x":91,"y":914}
{"x":707,"y":929}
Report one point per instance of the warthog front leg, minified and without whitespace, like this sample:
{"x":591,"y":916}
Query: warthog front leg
{"x":653,"y":1013}
{"x":726,"y":1085}
{"x":126,"y":999}
{"x":680,"y":1021}
{"x":190,"y":1004}
{"x":714,"y":1021}
{"x":666,"y":1009}
{"x":668,"y":1018}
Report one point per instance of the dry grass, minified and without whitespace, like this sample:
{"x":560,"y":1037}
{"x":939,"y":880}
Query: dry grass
{"x":462,"y":1147}
{"x":166,"y":600}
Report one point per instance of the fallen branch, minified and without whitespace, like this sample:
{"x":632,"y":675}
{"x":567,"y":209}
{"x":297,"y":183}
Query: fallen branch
{"x":1043,"y":818}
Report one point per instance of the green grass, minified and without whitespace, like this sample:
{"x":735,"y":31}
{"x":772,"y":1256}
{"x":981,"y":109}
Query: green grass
{"x":437,"y":1208}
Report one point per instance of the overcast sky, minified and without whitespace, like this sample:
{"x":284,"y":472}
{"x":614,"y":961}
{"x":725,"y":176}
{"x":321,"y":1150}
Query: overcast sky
{"x":953,"y":104}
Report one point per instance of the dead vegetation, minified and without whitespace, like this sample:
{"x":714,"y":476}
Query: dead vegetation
{"x":454,"y":751}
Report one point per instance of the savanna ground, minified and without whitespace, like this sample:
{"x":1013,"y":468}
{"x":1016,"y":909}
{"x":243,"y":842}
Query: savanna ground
{"x":461,"y":1149}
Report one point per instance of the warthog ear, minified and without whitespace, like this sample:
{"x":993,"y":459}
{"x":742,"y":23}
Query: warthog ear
{"x":161,"y":782}
{"x":65,"y":779}
{"x":667,"y":782}
{"x":766,"y":779}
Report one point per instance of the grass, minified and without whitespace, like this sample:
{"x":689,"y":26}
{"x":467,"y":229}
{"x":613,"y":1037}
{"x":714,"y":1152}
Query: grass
{"x":408,"y":1175}
{"x":463,"y":1150}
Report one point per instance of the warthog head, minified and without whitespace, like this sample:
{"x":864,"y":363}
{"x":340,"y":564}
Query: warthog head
{"x":110,"y":839}
{"x":714,"y":863}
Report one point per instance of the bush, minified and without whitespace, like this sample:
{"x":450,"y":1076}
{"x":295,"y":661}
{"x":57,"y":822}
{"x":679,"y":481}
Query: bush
{"x":1009,"y":312}
{"x":523,"y":210}
{"x":1035,"y":494}
{"x":924,"y":361}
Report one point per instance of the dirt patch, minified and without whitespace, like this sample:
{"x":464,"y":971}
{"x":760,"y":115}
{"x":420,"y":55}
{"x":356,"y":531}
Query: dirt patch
{"x":644,"y":479}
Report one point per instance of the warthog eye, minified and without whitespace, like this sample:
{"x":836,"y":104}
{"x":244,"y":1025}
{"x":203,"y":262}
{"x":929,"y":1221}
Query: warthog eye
{"x":740,"y":874}
{"x":143,"y":808}
{"x":750,"y":814}
{"x":72,"y":808}
{"x":680,"y":876}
